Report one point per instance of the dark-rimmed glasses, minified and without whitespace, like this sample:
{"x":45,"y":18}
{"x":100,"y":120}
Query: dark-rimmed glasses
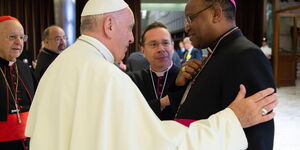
{"x":188,"y":19}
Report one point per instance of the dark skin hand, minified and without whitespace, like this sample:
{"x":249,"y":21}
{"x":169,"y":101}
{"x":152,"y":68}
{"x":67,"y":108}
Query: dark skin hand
{"x":188,"y":71}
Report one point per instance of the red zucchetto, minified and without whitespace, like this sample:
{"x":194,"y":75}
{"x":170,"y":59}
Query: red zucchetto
{"x":4,"y":18}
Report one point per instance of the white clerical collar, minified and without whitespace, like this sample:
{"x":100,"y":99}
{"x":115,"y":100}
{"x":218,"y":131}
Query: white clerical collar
{"x":10,"y":63}
{"x":99,"y":46}
{"x":160,"y":74}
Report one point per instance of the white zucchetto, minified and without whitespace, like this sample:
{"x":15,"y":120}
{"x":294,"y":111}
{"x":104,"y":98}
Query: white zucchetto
{"x":96,"y":7}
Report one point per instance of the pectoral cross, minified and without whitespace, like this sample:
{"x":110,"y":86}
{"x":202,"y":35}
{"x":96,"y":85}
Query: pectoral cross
{"x":17,"y":110}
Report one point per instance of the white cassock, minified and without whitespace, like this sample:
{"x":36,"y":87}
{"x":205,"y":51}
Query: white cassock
{"x":84,"y":102}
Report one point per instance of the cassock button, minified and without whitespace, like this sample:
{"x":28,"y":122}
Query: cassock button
{"x":15,"y":83}
{"x":18,"y":98}
{"x":21,"y":107}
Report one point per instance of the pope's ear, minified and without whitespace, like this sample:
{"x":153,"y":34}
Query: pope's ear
{"x":108,"y":26}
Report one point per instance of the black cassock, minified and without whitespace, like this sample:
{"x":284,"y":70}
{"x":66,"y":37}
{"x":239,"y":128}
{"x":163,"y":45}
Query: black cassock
{"x":142,"y":79}
{"x":44,"y":59}
{"x":22,"y":78}
{"x":235,"y":61}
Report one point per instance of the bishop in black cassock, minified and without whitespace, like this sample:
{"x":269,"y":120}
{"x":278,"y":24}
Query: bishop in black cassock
{"x":234,"y":61}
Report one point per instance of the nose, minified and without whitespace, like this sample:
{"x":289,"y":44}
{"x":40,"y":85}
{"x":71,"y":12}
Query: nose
{"x":187,"y":28}
{"x":18,"y":41}
{"x":161,"y":48}
{"x":63,"y":41}
{"x":131,"y":38}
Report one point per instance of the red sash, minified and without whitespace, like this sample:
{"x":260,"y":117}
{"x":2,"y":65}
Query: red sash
{"x":11,"y":130}
{"x":185,"y":122}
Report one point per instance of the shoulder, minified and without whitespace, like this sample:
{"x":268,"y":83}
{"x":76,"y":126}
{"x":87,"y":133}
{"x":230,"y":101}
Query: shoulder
{"x":22,"y":66}
{"x":138,"y":75}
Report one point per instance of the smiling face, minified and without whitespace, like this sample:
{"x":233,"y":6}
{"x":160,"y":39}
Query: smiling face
{"x":158,"y":48}
{"x":10,"y":49}
{"x":199,"y":28}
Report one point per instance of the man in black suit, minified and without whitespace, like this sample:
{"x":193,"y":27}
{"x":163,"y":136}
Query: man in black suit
{"x":191,"y":52}
{"x":233,"y":60}
{"x":55,"y":41}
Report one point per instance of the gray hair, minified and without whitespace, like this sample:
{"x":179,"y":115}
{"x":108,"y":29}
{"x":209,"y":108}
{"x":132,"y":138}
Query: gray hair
{"x":89,"y":23}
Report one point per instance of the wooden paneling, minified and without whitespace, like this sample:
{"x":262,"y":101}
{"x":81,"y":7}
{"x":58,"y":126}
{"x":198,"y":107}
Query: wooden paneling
{"x":287,"y":70}
{"x":135,"y":6}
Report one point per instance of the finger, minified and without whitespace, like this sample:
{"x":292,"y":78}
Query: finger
{"x":196,"y":61}
{"x":193,"y":66}
{"x":267,"y":100}
{"x":190,"y":70}
{"x":271,"y":106}
{"x":241,"y":93}
{"x":261,"y":94}
{"x":187,"y":75}
{"x":267,"y":117}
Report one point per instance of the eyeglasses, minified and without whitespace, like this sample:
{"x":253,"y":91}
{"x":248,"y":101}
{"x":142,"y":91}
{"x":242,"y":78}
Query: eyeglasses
{"x":13,"y":37}
{"x":155,"y":44}
{"x":59,"y":38}
{"x":188,"y":19}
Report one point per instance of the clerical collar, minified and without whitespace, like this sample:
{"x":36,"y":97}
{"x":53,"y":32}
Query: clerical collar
{"x":5,"y":62}
{"x":160,"y":74}
{"x":49,"y":52}
{"x":216,"y":43}
{"x":104,"y":51}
